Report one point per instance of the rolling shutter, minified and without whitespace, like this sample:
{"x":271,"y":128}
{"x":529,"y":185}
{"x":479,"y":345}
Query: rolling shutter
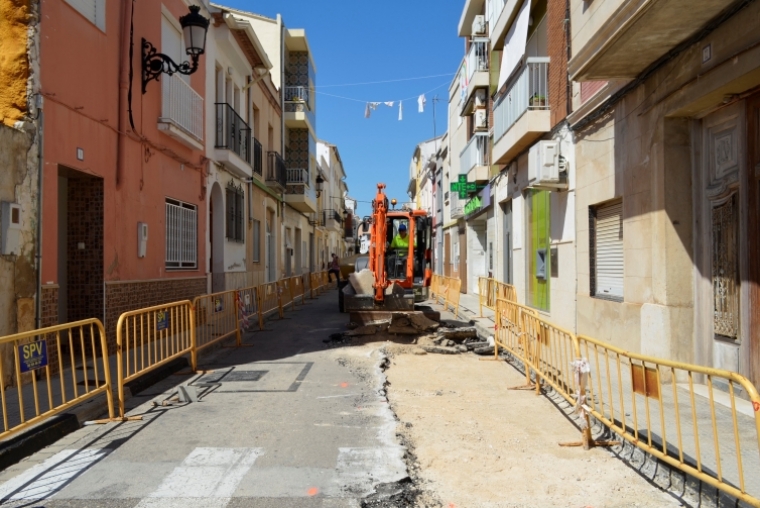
{"x":609,"y":251}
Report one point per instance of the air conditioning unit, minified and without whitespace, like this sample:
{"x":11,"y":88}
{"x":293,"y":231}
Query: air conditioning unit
{"x":480,"y":98}
{"x":479,"y":25}
{"x":481,"y":119}
{"x":544,"y":166}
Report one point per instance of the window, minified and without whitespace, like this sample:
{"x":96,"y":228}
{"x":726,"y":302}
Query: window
{"x":181,"y":234}
{"x":256,"y":241}
{"x":606,"y":250}
{"x":235,"y":201}
{"x":93,"y":10}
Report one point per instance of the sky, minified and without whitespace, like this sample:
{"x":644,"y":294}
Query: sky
{"x":358,"y":42}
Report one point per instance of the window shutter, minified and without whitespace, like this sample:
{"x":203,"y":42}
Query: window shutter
{"x":609,"y":251}
{"x":93,"y":10}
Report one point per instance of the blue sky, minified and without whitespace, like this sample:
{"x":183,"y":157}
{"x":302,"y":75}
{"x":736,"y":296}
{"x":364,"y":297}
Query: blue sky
{"x":360,"y":41}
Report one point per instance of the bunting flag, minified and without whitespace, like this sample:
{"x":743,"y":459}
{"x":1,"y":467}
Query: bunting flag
{"x":400,"y":111}
{"x":421,"y":100}
{"x":389,"y":104}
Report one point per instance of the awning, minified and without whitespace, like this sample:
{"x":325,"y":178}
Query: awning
{"x":514,"y":44}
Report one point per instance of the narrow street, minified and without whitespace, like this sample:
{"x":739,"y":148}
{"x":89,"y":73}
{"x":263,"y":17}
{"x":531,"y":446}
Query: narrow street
{"x":293,"y":419}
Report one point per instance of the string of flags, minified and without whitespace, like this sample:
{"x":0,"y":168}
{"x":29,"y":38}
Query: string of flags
{"x":372,"y":106}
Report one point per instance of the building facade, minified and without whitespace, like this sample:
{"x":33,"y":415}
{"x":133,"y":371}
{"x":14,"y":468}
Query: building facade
{"x":666,"y":124}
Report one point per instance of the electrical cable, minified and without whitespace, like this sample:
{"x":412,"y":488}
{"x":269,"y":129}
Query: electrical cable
{"x":364,"y":102}
{"x":449,"y":74}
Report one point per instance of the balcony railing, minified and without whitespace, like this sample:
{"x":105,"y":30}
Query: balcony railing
{"x":477,"y":57}
{"x":258,"y":157}
{"x":232,"y":132}
{"x":475,"y":153}
{"x":298,"y":99}
{"x":528,"y":91}
{"x":298,"y":175}
{"x":332,"y":215}
{"x":276,"y":169}
{"x":181,"y":105}
{"x":494,"y":9}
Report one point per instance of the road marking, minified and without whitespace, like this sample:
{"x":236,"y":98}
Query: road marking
{"x":48,"y":478}
{"x":207,"y":478}
{"x":336,"y":396}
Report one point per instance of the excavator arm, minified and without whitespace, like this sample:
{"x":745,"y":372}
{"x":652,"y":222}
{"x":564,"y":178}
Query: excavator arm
{"x":377,"y":242}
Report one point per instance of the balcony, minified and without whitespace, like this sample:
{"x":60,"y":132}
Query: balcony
{"x":232,"y":147}
{"x":276,"y":171}
{"x":258,"y":157}
{"x":299,"y":108}
{"x":299,"y":193}
{"x":621,"y":38}
{"x":471,"y":9}
{"x":522,"y":114}
{"x":473,"y":160}
{"x":181,"y":111}
{"x":476,"y":64}
{"x":332,"y":219}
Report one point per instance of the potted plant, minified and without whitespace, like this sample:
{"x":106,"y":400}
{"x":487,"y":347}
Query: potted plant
{"x":537,"y":100}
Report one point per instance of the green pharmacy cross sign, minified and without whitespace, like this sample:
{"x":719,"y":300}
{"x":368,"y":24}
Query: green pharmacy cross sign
{"x":463,"y":187}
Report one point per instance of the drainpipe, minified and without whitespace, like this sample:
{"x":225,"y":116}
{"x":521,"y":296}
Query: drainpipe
{"x":121,"y":155}
{"x":40,"y":167}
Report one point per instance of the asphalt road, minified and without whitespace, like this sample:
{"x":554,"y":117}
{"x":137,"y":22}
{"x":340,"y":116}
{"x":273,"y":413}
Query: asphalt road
{"x":287,"y":421}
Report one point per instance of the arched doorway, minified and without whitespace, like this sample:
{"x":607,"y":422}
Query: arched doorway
{"x":216,"y":236}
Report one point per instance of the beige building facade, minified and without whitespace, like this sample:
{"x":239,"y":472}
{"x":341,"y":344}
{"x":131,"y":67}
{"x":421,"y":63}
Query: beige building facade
{"x":667,"y":149}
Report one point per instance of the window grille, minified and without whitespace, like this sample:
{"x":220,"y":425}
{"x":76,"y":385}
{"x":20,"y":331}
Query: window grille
{"x":181,"y":234}
{"x":235,"y":201}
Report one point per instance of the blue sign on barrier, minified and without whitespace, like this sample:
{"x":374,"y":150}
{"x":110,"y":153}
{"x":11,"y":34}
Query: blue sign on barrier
{"x":33,"y":356}
{"x":162,"y":320}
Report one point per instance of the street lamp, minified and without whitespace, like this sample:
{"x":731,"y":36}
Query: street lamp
{"x":320,"y":181}
{"x":194,"y":29}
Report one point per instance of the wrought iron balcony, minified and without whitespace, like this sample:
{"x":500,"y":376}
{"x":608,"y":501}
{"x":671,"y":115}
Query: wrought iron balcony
{"x":276,"y":170}
{"x":331,"y":218}
{"x":258,"y":157}
{"x":232,"y":132}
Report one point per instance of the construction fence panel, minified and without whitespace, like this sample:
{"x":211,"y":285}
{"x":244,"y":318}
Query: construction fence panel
{"x":151,"y":337}
{"x":506,"y":292}
{"x":700,"y":420}
{"x":453,"y":294}
{"x":216,"y":317}
{"x":269,"y":301}
{"x":249,"y":308}
{"x":52,"y":370}
{"x":296,"y":289}
{"x":283,"y":291}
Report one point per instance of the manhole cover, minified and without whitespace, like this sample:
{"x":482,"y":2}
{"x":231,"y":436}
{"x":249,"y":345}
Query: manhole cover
{"x":244,"y":375}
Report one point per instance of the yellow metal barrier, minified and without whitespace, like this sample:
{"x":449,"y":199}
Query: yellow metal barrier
{"x":490,"y":290}
{"x":673,"y":411}
{"x":216,"y":316}
{"x":446,"y":291}
{"x":453,"y":294}
{"x":54,"y":369}
{"x":149,"y":338}
{"x":269,"y":301}
{"x":248,"y":308}
{"x":669,"y":409}
{"x":283,"y":291}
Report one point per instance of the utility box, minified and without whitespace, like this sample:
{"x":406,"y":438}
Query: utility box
{"x":10,"y":221}
{"x":142,"y":239}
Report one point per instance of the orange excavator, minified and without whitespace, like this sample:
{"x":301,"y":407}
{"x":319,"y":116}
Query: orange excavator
{"x":399,"y":250}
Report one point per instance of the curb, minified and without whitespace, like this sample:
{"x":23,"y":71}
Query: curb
{"x":27,"y":443}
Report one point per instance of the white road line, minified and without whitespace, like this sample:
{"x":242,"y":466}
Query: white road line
{"x":336,"y":396}
{"x":207,"y":478}
{"x":46,"y":479}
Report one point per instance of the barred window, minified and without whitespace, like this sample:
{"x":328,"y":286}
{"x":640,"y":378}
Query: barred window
{"x":181,"y":235}
{"x":256,"y":241}
{"x":235,"y":201}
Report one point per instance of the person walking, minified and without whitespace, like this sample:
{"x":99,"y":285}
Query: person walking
{"x":334,"y":268}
